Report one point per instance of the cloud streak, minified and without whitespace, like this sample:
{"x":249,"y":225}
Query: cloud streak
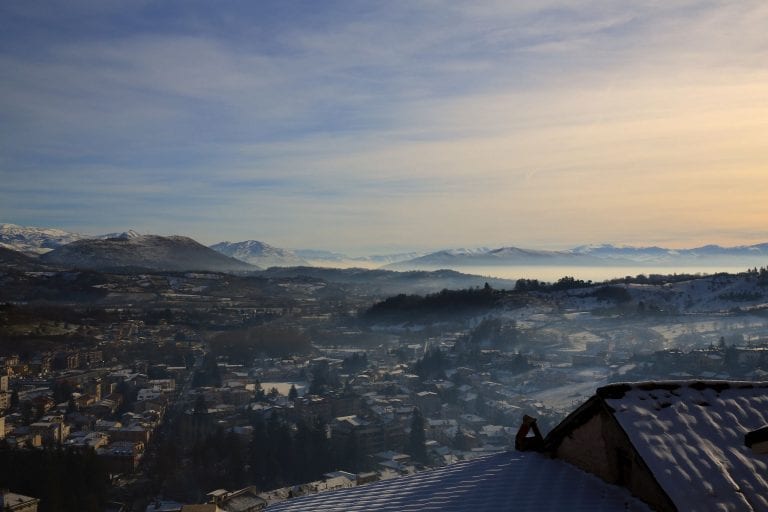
{"x":389,"y":125}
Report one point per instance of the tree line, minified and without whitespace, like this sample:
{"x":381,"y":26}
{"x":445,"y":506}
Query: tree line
{"x":444,"y":302}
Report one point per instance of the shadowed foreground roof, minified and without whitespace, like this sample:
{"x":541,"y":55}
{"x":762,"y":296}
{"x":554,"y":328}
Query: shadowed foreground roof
{"x":506,"y":481}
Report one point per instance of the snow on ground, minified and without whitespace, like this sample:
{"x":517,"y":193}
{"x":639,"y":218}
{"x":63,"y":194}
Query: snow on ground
{"x":580,"y":339}
{"x":284,"y":387}
{"x":578,"y":384}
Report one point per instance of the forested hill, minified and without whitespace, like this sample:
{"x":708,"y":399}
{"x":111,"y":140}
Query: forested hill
{"x":445,"y":302}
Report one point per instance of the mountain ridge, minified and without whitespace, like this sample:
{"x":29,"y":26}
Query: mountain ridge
{"x":146,"y":251}
{"x":602,"y":254}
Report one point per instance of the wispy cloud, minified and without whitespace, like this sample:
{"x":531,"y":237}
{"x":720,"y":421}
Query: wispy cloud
{"x":404,"y":124}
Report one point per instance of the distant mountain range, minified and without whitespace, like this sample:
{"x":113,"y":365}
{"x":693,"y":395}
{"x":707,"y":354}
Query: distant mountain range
{"x":590,"y":255}
{"x":486,"y":257}
{"x":321,"y":258}
{"x":36,"y":241}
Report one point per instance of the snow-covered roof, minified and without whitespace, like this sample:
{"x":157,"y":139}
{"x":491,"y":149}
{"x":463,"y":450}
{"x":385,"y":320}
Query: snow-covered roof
{"x":691,"y":436}
{"x":506,"y":481}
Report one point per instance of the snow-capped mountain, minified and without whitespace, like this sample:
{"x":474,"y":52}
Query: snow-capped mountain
{"x":35,"y":241}
{"x":754,"y":254}
{"x":145,"y":251}
{"x":125,"y":234}
{"x":260,"y":254}
{"x":625,"y":252}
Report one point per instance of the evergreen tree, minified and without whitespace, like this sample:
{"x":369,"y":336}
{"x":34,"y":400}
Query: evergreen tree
{"x":293,"y":394}
{"x":200,"y":406}
{"x":320,"y":452}
{"x":417,"y":447}
{"x":234,"y":461}
{"x":350,"y":457}
{"x":432,"y":365}
{"x":257,"y":451}
{"x":302,"y":452}
{"x":259,"y":394}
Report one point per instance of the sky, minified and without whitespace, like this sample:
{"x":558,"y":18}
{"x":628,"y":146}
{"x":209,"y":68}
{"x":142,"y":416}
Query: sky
{"x":385,"y":126}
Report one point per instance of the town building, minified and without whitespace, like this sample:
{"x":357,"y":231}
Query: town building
{"x":243,"y":500}
{"x":12,"y":502}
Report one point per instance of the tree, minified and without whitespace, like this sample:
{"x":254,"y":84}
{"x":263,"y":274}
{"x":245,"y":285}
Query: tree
{"x":432,"y":365}
{"x":259,"y":394}
{"x":417,"y":447}
{"x":208,"y":375}
{"x":71,"y":405}
{"x":293,"y":393}
{"x":27,"y":412}
{"x":257,"y":451}
{"x":355,"y":363}
{"x":200,"y":406}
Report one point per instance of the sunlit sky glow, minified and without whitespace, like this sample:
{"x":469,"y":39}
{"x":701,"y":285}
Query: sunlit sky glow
{"x":386,"y":126}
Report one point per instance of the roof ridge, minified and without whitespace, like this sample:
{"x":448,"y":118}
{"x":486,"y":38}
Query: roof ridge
{"x":617,"y":390}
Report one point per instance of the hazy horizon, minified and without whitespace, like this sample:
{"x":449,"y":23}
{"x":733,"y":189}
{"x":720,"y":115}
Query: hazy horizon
{"x":356,"y":252}
{"x":385,"y":126}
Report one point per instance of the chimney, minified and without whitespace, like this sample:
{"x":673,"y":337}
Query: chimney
{"x":523,"y":442}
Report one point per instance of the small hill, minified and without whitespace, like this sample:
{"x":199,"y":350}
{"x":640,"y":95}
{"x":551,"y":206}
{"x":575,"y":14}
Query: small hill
{"x":10,"y":258}
{"x":260,"y":254}
{"x":145,"y":251}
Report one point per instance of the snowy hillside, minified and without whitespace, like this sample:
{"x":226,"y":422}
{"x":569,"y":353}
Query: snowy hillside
{"x":36,"y":241}
{"x":125,"y":234}
{"x":710,"y":294}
